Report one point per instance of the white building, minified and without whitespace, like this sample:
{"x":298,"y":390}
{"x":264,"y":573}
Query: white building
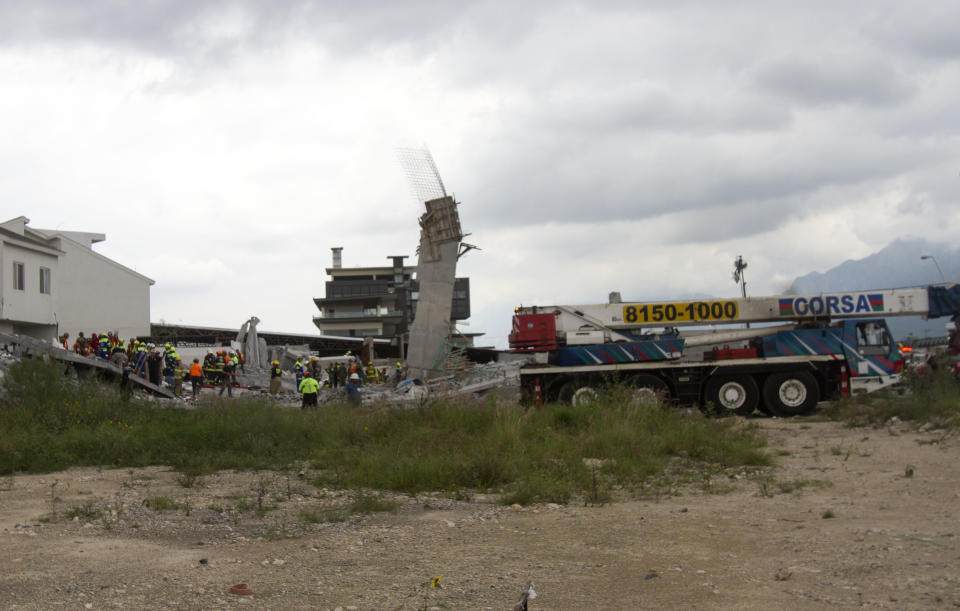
{"x":53,"y":282}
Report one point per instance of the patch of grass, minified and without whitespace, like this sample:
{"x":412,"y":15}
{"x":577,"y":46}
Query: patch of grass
{"x":828,"y":514}
{"x":189,"y":480}
{"x":445,"y":445}
{"x":933,"y":397}
{"x":161,"y":503}
{"x":85,"y":513}
{"x":371,"y":503}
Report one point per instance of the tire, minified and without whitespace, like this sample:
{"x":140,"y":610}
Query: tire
{"x":732,"y":395}
{"x":577,"y":393}
{"x":648,"y":390}
{"x":552,"y":388}
{"x":793,"y":393}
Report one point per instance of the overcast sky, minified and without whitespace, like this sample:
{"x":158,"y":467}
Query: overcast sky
{"x":224,"y":147}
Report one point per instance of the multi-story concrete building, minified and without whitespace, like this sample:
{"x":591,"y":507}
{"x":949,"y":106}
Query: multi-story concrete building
{"x":378,"y":302}
{"x":53,"y":282}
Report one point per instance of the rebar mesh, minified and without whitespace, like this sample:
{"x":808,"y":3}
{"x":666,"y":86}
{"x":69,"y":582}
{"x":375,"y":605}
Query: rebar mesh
{"x":421,"y":172}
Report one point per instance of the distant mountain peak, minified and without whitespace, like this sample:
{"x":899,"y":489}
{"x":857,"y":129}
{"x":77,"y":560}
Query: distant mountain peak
{"x":896,"y":265}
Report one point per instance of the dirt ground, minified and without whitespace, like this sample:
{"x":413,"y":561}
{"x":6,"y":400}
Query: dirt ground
{"x":849,"y":517}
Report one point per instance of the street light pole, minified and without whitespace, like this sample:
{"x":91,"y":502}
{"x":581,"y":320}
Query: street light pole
{"x":934,"y":259}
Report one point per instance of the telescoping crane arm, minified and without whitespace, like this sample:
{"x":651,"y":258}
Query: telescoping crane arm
{"x":788,"y":308}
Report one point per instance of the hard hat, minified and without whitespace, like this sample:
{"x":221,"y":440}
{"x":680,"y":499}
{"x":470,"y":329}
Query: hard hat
{"x":354,"y":376}
{"x":276,"y":362}
{"x":167,"y":345}
{"x":369,"y":362}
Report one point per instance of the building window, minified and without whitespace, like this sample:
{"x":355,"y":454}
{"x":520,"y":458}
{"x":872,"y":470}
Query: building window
{"x":45,"y":280}
{"x":19,"y":276}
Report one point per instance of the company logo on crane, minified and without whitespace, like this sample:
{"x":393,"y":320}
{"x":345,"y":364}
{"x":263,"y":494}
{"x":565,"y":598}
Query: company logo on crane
{"x":825,"y":305}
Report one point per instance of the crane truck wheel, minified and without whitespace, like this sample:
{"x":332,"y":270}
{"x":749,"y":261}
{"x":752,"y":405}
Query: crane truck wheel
{"x":791,"y":394}
{"x":577,"y":393}
{"x":732,"y":395}
{"x":647,"y":390}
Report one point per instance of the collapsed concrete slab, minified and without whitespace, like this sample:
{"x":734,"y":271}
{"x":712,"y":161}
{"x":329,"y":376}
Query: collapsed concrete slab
{"x":439,"y":249}
{"x":254,"y":348}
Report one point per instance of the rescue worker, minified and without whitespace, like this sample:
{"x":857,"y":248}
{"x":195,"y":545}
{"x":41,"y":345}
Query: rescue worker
{"x":154,"y":365}
{"x":104,"y":347}
{"x":179,"y":373}
{"x":221,"y":367}
{"x":196,"y":377}
{"x":276,"y":375}
{"x":298,"y":371}
{"x":219,"y":362}
{"x":373,"y":376}
{"x":118,"y":355}
{"x":353,"y":389}
{"x":227,"y":381}
{"x":308,"y":388}
{"x":170,"y":358}
{"x":80,"y":345}
{"x":65,"y":341}
{"x":140,"y":360}
{"x":399,"y":373}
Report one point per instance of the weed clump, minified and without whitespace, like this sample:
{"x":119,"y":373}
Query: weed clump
{"x":932,"y":396}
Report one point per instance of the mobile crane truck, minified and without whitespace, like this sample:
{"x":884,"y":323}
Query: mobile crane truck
{"x":832,"y":344}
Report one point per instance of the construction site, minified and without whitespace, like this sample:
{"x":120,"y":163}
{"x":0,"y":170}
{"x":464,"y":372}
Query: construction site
{"x":414,"y":350}
{"x":389,"y":334}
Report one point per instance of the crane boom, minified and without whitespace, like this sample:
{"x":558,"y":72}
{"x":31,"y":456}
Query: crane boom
{"x":783,"y":308}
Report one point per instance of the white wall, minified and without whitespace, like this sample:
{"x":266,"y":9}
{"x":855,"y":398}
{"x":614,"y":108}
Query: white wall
{"x":95,"y":294}
{"x":28,"y":305}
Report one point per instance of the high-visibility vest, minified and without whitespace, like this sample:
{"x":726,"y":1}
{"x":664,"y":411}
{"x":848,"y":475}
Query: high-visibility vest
{"x":309,"y":386}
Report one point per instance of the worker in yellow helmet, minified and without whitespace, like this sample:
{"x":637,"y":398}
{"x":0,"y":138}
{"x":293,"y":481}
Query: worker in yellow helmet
{"x":275,"y":378}
{"x":373,"y":376}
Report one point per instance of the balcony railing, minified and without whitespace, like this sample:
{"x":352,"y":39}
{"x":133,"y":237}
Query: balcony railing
{"x":387,"y":314}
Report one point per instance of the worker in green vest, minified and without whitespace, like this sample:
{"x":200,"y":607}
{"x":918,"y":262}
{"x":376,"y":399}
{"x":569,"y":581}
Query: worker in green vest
{"x":308,"y":388}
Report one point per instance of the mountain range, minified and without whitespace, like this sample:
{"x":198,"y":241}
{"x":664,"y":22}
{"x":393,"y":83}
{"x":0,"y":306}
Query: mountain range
{"x":898,"y":265}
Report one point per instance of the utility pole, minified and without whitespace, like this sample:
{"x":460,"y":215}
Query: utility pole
{"x":738,"y":266}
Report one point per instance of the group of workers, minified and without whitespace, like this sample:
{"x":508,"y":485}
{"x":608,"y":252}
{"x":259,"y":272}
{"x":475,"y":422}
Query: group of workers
{"x":149,"y":361}
{"x":311,"y":376}
{"x":156,"y":364}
